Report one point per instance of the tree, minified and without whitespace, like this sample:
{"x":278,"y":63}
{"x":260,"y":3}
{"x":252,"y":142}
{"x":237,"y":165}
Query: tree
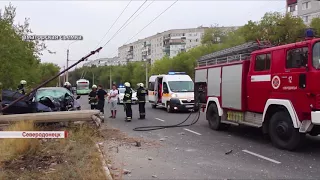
{"x":48,"y":70}
{"x":19,"y":59}
{"x":213,"y":35}
{"x":315,"y":24}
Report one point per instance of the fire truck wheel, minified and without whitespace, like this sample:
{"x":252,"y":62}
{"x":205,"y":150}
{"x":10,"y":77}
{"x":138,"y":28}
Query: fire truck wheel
{"x":282,"y":133}
{"x":213,"y":117}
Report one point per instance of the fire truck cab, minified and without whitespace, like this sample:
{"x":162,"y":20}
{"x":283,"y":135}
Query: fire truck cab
{"x":275,"y":88}
{"x":173,"y":91}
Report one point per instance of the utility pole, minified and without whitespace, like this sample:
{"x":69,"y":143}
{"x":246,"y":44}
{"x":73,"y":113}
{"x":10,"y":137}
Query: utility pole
{"x":92,"y":78}
{"x":146,"y":73}
{"x":59,"y":81}
{"x":67,"y":74}
{"x":110,"y":79}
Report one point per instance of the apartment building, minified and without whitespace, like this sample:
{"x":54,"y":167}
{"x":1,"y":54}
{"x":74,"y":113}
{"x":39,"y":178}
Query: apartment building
{"x":169,"y":43}
{"x":115,"y":61}
{"x":306,"y":9}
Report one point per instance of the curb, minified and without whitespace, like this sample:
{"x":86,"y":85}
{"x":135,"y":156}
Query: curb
{"x":105,"y":167}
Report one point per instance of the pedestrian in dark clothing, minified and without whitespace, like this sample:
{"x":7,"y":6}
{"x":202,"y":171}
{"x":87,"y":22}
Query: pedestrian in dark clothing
{"x":93,"y":97}
{"x":141,"y":95}
{"x":127,"y":100}
{"x":101,"y":95}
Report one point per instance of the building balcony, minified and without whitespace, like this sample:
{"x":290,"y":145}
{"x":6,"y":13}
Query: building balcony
{"x":129,"y":56}
{"x":146,"y":57}
{"x":167,"y":37}
{"x":166,"y":49}
{"x":177,"y":41}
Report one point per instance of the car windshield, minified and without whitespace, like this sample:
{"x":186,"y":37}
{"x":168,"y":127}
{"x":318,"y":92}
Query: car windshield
{"x":316,"y":55}
{"x":181,"y":86}
{"x":54,"y":92}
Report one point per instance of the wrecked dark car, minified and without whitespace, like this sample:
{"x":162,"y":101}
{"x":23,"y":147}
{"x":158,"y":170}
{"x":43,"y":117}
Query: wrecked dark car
{"x":47,"y":99}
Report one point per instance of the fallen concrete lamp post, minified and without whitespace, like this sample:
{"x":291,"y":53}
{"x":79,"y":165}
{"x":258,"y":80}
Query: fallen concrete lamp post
{"x":52,"y":117}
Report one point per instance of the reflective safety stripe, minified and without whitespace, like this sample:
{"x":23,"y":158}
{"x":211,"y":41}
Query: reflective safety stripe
{"x":128,"y":117}
{"x":142,"y":113}
{"x":127,"y":95}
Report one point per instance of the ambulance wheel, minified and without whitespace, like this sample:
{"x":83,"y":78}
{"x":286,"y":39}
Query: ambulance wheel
{"x":213,"y":117}
{"x":169,"y":108}
{"x":282,"y":132}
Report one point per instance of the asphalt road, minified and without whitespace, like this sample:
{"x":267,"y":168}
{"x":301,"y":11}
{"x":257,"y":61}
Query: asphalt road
{"x":197,"y":152}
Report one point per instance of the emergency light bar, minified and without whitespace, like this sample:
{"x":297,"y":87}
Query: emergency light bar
{"x":173,"y":73}
{"x":309,"y":33}
{"x":121,"y":86}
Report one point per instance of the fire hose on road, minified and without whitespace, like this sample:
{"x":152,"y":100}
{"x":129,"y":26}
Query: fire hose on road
{"x":152,"y":128}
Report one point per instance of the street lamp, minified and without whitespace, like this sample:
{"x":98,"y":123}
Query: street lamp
{"x":67,"y":74}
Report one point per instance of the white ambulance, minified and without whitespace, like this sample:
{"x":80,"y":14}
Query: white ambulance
{"x":173,"y":91}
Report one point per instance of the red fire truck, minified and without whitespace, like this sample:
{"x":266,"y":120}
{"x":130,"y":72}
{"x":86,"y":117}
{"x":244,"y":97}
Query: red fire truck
{"x":275,"y":88}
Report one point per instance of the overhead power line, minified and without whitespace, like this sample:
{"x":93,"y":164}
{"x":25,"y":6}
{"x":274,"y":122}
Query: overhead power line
{"x":137,"y":16}
{"x":152,"y":21}
{"x":125,"y":23}
{"x":114,"y":23}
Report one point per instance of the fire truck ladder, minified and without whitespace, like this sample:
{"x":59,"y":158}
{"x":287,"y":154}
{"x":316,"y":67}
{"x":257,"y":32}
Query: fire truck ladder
{"x":236,"y":53}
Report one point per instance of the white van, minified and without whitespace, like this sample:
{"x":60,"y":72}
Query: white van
{"x":173,"y":91}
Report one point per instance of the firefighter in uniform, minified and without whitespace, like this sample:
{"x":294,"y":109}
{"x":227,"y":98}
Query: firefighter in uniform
{"x":127,"y":100}
{"x":141,"y":94}
{"x":21,"y":87}
{"x":67,"y":85}
{"x":93,"y":101}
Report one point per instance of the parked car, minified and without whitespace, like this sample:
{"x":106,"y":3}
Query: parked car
{"x":47,"y":99}
{"x":121,"y":95}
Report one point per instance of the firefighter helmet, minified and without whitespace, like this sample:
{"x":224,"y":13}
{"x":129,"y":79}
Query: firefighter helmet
{"x":127,"y":84}
{"x":23,"y":82}
{"x":94,"y":86}
{"x":140,"y":84}
{"x":67,"y":84}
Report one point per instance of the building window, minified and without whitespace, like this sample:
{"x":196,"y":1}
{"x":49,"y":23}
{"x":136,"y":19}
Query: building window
{"x":306,"y":19}
{"x":292,"y":8}
{"x":262,"y":62}
{"x":306,"y":5}
{"x":196,"y":40}
{"x":297,"y":58}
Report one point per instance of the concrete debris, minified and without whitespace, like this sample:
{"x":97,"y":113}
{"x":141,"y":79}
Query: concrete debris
{"x":228,"y":152}
{"x":162,"y":139}
{"x":174,"y":168}
{"x":176,"y":148}
{"x":138,"y":144}
{"x":149,"y":158}
{"x":154,"y":176}
{"x":182,"y":133}
{"x":53,"y":164}
{"x":126,"y":171}
{"x":113,"y":168}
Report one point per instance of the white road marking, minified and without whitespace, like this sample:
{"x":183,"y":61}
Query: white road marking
{"x":159,"y":119}
{"x":260,"y":156}
{"x":192,"y":131}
